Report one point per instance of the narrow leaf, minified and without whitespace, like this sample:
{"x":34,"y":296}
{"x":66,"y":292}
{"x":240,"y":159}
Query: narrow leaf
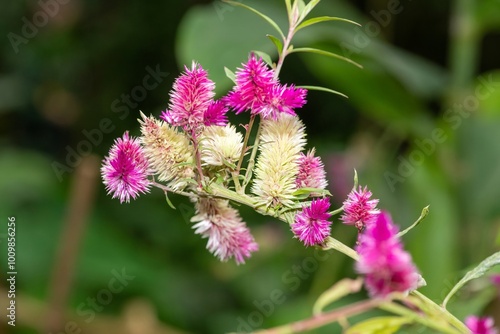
{"x":308,"y":191}
{"x":425,"y":212}
{"x":230,"y":74}
{"x":307,"y":9}
{"x":337,"y":291}
{"x":323,"y":19}
{"x":323,"y":89}
{"x":265,"y":17}
{"x":277,"y":43}
{"x":378,"y":325}
{"x":265,"y":57}
{"x":326,"y":53}
{"x":477,"y":272}
{"x":288,"y":7}
{"x":168,"y":201}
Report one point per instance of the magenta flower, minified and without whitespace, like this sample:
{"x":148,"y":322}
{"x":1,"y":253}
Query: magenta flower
{"x":359,"y":209}
{"x":259,"y":91}
{"x":495,"y":279}
{"x":480,"y":325}
{"x":192,"y":94}
{"x":228,"y":236}
{"x":383,"y":261}
{"x":311,"y":172}
{"x":125,"y":169}
{"x":311,"y":224}
{"x":215,"y":114}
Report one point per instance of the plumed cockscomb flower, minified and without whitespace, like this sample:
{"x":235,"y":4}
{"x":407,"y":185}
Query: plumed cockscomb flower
{"x":125,"y":169}
{"x":386,"y":265}
{"x":191,"y":95}
{"x":281,"y":142}
{"x":215,"y":114}
{"x":169,"y":152}
{"x":260,"y":92}
{"x":311,"y":225}
{"x":227,"y":234}
{"x":281,"y":99}
{"x":254,"y":82}
{"x":480,"y":325}
{"x":311,"y":171}
{"x":359,"y":209}
{"x":220,"y":145}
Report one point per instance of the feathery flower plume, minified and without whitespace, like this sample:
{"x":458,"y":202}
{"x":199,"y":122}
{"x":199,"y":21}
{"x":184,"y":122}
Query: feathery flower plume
{"x":480,"y":325}
{"x":359,"y":209}
{"x":227,"y":234}
{"x":169,"y":152}
{"x":311,"y":171}
{"x":220,"y":145}
{"x":281,"y":142}
{"x":215,"y":114}
{"x":191,"y":95}
{"x":125,"y":169}
{"x":258,"y":91}
{"x":311,"y":225}
{"x":386,"y":265}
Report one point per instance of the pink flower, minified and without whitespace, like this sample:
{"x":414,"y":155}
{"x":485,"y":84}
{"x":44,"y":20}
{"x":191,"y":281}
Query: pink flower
{"x":359,"y":209}
{"x":258,"y":91}
{"x":495,"y":279}
{"x":125,"y":169}
{"x":215,"y":114}
{"x":311,"y":172}
{"x":311,"y":224}
{"x":480,"y":325}
{"x":227,"y":234}
{"x":192,"y":94}
{"x":383,"y":261}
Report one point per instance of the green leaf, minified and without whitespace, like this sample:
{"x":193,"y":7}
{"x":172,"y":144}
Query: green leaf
{"x":324,"y":89}
{"x":378,"y":325}
{"x":340,"y":289}
{"x":308,"y":191}
{"x":265,"y":57}
{"x":326,"y":53}
{"x":305,"y":10}
{"x":230,"y":74}
{"x":277,"y":43}
{"x":425,"y":212}
{"x":168,"y":201}
{"x":315,"y":20}
{"x":288,"y":6}
{"x":477,"y":272}
{"x":265,"y":17}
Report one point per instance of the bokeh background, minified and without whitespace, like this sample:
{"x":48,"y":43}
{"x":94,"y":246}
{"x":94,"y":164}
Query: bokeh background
{"x":421,"y":126}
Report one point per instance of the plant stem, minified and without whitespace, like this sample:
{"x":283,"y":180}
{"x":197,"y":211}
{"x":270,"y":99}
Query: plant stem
{"x":292,"y":21}
{"x":324,"y":318}
{"x":251,"y":161}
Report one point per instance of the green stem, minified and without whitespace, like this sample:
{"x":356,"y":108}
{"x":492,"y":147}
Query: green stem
{"x":251,"y":161}
{"x":245,"y":143}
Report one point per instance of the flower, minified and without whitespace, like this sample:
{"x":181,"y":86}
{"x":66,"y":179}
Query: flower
{"x":259,"y":91}
{"x":227,"y":234}
{"x":495,"y":279}
{"x":125,"y":169}
{"x":311,"y":225}
{"x":215,"y":114}
{"x":168,"y":151}
{"x":311,"y":172}
{"x":191,"y":95}
{"x":281,"y":142}
{"x":220,"y":145}
{"x":383,"y":261}
{"x":359,"y":209}
{"x":480,"y":325}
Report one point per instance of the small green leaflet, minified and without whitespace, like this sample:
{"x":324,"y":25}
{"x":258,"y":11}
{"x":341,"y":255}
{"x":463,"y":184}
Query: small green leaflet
{"x":477,"y":272}
{"x":378,"y":325}
{"x":276,"y":42}
{"x":265,"y":57}
{"x":324,"y":89}
{"x":319,"y":19}
{"x":230,"y":74}
{"x":326,"y":53}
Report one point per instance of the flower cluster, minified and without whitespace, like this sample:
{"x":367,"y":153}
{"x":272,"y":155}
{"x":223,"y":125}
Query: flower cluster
{"x":258,"y":90}
{"x":386,"y":265}
{"x":311,"y":225}
{"x":359,"y":209}
{"x":480,"y":325}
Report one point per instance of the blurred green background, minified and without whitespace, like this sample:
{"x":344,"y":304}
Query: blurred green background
{"x":421,"y":126}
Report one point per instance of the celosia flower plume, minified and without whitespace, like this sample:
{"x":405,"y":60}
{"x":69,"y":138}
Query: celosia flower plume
{"x":125,"y":169}
{"x":359,"y":209}
{"x":311,"y":171}
{"x":311,"y":225}
{"x":260,"y":92}
{"x":480,"y":325}
{"x":191,"y":101}
{"x":227,"y":234}
{"x":220,"y":145}
{"x":386,"y":265}
{"x":168,"y":151}
{"x":276,"y":170}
